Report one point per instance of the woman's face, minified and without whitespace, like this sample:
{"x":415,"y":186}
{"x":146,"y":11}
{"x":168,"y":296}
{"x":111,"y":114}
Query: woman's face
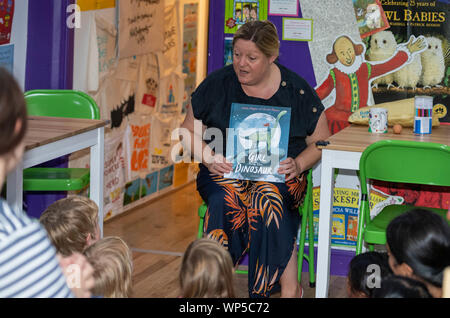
{"x":249,"y":63}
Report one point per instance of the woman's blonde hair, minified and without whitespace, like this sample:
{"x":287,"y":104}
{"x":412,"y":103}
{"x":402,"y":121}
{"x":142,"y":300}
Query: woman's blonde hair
{"x":112,"y":261}
{"x":69,"y":221}
{"x":263,"y":34}
{"x":206,"y":271}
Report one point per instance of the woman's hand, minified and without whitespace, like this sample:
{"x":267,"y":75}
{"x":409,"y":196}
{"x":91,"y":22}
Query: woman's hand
{"x":290,"y":167}
{"x":219,"y":165}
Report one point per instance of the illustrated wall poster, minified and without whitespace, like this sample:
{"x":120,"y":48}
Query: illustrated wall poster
{"x":6,"y":20}
{"x":169,"y":59}
{"x":329,"y":17}
{"x":114,"y":175}
{"x":132,"y":191}
{"x":189,"y":59}
{"x":149,"y":184}
{"x":7,"y":57}
{"x":161,"y":143}
{"x":141,"y":27}
{"x":351,"y":75}
{"x":429,"y":74}
{"x":228,"y":48}
{"x":138,"y":140}
{"x":165,"y":177}
{"x":283,"y":7}
{"x":106,"y":42}
{"x":238,"y":12}
{"x":147,"y":94}
{"x":257,"y":141}
{"x":370,"y":17}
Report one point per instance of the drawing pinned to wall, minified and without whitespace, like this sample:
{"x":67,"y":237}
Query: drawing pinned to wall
{"x":7,"y":57}
{"x":149,"y":184}
{"x":148,"y":84}
{"x":370,"y":17}
{"x":165,"y":177}
{"x":238,"y":12}
{"x":141,"y":27}
{"x":138,"y":140}
{"x":228,"y":54}
{"x":189,"y":63}
{"x":132,"y":191}
{"x":106,"y":42}
{"x":6,"y":20}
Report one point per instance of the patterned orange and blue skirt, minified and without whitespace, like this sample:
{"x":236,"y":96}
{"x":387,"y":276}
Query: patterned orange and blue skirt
{"x":254,"y":217}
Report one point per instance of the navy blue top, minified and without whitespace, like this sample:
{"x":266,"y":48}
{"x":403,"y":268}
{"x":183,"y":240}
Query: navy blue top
{"x":211,"y":103}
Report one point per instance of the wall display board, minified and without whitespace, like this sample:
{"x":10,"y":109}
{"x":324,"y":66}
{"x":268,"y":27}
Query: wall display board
{"x":141,"y":92}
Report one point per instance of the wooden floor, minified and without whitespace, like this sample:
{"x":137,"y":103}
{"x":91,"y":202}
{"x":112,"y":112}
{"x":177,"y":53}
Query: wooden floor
{"x":158,"y":233}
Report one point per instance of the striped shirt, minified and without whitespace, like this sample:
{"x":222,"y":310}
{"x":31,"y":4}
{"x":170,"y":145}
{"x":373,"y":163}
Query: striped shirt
{"x":28,"y":264}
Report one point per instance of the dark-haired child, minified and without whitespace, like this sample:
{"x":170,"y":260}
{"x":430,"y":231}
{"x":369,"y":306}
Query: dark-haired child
{"x":365,"y":274}
{"x":418,"y":244}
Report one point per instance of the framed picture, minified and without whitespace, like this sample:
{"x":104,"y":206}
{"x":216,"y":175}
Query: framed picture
{"x":238,"y":12}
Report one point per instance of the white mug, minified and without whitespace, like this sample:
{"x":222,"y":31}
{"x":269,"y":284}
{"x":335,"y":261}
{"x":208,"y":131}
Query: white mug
{"x":378,"y":120}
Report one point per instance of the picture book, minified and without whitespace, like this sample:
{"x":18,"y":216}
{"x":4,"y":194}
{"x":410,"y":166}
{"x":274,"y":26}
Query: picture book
{"x":257,"y":141}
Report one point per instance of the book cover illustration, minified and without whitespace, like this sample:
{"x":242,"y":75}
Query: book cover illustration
{"x":257,"y":141}
{"x":370,"y":17}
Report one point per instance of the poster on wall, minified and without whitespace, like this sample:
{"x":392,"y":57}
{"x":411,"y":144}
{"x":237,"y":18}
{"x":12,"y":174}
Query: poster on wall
{"x":137,"y":146}
{"x":6,"y":20}
{"x":370,"y":17}
{"x":189,"y":62}
{"x":238,"y":12}
{"x":7,"y":57}
{"x":283,"y":7}
{"x":141,"y":27}
{"x":429,"y":73}
{"x":114,"y":175}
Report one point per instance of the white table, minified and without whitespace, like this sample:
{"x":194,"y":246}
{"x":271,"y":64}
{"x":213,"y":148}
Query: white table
{"x":344,"y":152}
{"x":48,"y":138}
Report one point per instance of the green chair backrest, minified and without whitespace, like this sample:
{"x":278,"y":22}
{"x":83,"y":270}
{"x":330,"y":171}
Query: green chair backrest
{"x":406,"y":162}
{"x":61,"y":103}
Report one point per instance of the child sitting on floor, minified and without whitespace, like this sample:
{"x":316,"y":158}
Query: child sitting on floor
{"x":206,"y":271}
{"x":366,"y":272}
{"x":113,"y":267}
{"x":418,"y":244}
{"x":71,"y":224}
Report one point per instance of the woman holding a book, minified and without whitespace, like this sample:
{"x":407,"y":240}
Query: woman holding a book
{"x":257,"y":217}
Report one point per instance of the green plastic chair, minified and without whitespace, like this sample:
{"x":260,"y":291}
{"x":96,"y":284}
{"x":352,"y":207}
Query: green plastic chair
{"x":306,"y":211}
{"x":398,"y":161}
{"x":58,"y":103}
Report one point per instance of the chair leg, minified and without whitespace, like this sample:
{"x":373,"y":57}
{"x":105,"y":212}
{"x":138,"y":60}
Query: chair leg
{"x":312,"y":275}
{"x":301,"y":244}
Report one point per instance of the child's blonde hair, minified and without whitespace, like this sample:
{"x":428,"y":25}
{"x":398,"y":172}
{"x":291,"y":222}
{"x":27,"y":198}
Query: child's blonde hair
{"x":112,"y":261}
{"x":206,"y":270}
{"x":69,"y":222}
